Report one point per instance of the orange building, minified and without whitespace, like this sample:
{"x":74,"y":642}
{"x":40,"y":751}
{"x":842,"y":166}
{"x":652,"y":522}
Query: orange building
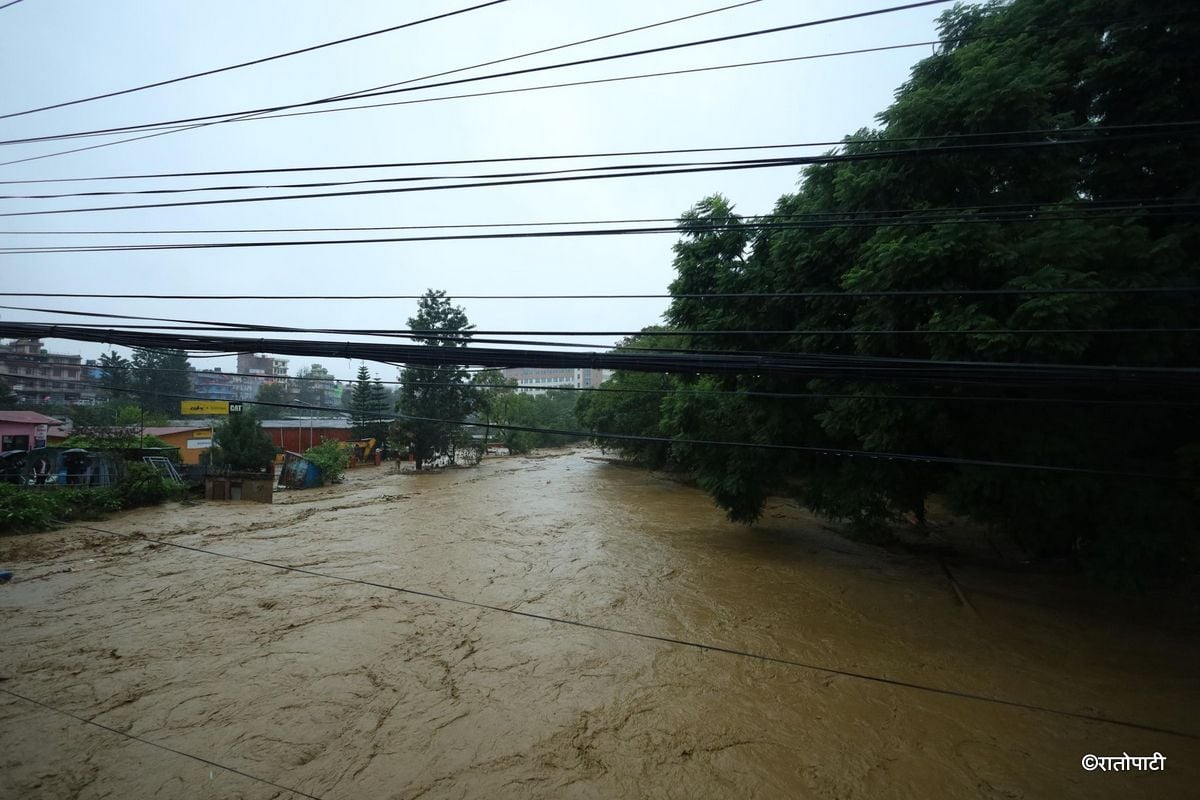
{"x":192,"y":440}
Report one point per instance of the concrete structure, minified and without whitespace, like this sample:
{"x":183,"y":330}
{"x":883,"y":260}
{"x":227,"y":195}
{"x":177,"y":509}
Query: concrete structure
{"x":297,"y":435}
{"x":24,"y":430}
{"x":537,"y":378}
{"x":212,"y":384}
{"x":256,"y":487}
{"x":45,"y":377}
{"x":261,"y":370}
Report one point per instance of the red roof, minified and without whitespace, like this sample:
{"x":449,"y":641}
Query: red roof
{"x":28,"y":418}
{"x":167,"y":430}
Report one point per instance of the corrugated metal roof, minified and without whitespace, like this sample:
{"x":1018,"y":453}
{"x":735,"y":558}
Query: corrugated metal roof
{"x":28,"y":418}
{"x":315,"y":423}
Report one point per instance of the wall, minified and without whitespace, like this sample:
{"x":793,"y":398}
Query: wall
{"x":17,"y":429}
{"x":298,"y":440}
{"x":180,"y":440}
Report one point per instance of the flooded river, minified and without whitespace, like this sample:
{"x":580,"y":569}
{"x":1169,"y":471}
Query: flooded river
{"x":829,"y":668}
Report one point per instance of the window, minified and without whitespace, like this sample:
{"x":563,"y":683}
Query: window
{"x":14,"y":443}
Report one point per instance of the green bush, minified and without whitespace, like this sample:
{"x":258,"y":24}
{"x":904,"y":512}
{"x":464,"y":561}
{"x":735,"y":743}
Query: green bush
{"x":331,"y":457}
{"x":29,"y":509}
{"x":143,"y":486}
{"x":24,"y":510}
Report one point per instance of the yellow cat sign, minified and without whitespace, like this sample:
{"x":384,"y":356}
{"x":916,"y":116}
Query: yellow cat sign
{"x":204,"y":407}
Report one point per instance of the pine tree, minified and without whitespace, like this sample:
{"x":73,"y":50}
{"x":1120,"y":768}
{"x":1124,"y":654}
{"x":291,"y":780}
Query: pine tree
{"x":361,"y":413}
{"x":438,"y":397}
{"x":381,"y":408}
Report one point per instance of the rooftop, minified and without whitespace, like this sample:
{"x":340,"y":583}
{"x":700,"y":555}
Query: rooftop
{"x":28,"y":418}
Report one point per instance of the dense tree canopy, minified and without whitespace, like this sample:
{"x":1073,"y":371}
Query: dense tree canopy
{"x":1027,"y":65}
{"x":160,"y":377}
{"x":115,"y":373}
{"x":271,"y":393}
{"x":242,"y":444}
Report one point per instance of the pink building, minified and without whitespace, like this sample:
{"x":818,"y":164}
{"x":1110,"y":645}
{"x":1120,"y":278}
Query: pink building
{"x":24,"y":430}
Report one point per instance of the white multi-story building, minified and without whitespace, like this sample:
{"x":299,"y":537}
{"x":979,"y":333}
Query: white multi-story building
{"x":542,"y":378}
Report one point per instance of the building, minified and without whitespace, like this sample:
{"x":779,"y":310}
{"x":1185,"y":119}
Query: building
{"x":193,"y":441}
{"x":44,"y":377}
{"x":24,"y":430}
{"x":212,"y":384}
{"x":297,"y":435}
{"x":538,"y":378}
{"x":260,"y":369}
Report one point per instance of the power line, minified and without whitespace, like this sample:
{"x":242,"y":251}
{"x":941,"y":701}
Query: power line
{"x":681,"y":390}
{"x":164,"y":130}
{"x":401,"y":83}
{"x":10,"y":3}
{"x":160,"y":746}
{"x":956,"y":693}
{"x":1166,"y":127}
{"x":1003,"y":212}
{"x":1160,"y":211}
{"x":263,"y":116}
{"x":1150,"y":131}
{"x":473,"y":334}
{"x":848,"y":294}
{"x":252,"y":62}
{"x":486,"y":180}
{"x":376,"y":33}
{"x":859,"y":368}
{"x":510,"y":73}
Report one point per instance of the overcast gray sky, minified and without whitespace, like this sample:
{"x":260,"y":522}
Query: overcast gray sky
{"x":52,"y":51}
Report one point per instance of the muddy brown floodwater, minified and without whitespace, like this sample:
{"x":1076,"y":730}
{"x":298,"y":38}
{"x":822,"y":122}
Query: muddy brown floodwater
{"x":341,"y":690}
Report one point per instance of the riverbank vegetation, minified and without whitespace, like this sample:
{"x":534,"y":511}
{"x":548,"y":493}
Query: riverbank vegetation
{"x":27,"y":509}
{"x":1015,"y":215}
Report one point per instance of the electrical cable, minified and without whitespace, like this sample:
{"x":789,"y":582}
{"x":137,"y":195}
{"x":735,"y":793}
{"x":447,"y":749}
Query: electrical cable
{"x":268,"y":116}
{"x":1165,"y":127}
{"x":510,"y":73}
{"x":484,"y":181}
{"x":780,"y":160}
{"x":1105,"y":213}
{"x":364,"y":36}
{"x":1003,"y":212}
{"x":164,"y":130}
{"x":127,"y":735}
{"x":858,"y":368}
{"x":429,"y":595}
{"x":400,"y":83}
{"x":348,"y":382}
{"x":473,"y":334}
{"x":847,"y":294}
{"x":253,"y":62}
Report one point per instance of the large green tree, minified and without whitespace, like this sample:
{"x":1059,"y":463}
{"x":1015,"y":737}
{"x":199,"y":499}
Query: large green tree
{"x":1081,"y":67}
{"x":115,"y":373}
{"x":436,"y":399}
{"x":242,"y":444}
{"x":273,"y":392}
{"x":632,"y":403}
{"x":160,"y":378}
